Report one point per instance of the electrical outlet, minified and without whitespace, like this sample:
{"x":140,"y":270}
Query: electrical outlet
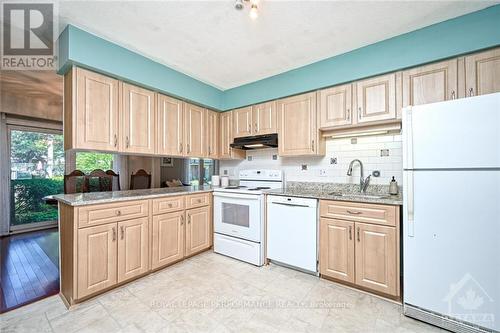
{"x":249,"y":158}
{"x":384,"y":152}
{"x":354,"y":141}
{"x":333,"y":160}
{"x":322,"y":173}
{"x":225,"y":172}
{"x":304,"y":167}
{"x":275,"y":157}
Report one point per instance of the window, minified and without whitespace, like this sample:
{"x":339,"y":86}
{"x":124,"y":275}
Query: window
{"x":200,"y":171}
{"x":89,"y":161}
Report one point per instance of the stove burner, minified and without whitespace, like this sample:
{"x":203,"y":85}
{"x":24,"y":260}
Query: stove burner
{"x":259,"y":188}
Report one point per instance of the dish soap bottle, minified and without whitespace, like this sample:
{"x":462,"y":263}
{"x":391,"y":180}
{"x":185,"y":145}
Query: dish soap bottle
{"x":393,"y":187}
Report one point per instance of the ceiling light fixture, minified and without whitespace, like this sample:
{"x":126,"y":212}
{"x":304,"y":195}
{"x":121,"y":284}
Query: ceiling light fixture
{"x":254,"y":12}
{"x":254,"y":7}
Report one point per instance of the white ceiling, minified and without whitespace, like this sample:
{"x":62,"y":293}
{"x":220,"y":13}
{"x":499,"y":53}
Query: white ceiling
{"x":214,"y":43}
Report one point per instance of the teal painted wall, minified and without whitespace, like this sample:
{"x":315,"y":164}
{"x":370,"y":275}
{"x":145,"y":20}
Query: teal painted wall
{"x":464,"y":34}
{"x":78,"y":47}
{"x":446,"y":39}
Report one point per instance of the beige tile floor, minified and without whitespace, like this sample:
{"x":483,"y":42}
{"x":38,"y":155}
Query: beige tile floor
{"x":213,"y":293}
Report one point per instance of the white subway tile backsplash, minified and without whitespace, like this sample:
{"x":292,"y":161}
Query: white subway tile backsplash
{"x":367,"y":149}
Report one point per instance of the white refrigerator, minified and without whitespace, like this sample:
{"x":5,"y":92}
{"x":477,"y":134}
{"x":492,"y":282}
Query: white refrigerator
{"x":451,"y":212}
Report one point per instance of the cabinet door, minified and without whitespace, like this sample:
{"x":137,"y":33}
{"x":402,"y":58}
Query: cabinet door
{"x":138,"y":125}
{"x":337,"y":249}
{"x":198,"y":229}
{"x":431,"y":83}
{"x":376,"y":258}
{"x":96,"y":111}
{"x":264,"y":118}
{"x":133,"y":248}
{"x":376,"y":99}
{"x":482,"y":73}
{"x":195,"y":130}
{"x":170,"y":135}
{"x":97,"y":255}
{"x":212,"y":134}
{"x":168,"y":239}
{"x":226,"y":138}
{"x":242,"y":120}
{"x":335,"y":106}
{"x":297,"y":125}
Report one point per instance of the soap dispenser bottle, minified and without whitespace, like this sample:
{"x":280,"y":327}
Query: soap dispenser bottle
{"x":393,"y":187}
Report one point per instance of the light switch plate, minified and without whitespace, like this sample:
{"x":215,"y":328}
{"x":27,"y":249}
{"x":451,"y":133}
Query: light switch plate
{"x":304,"y":167}
{"x":384,"y":152}
{"x":249,"y":158}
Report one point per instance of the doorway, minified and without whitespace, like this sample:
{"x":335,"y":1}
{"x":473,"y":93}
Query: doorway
{"x":36,"y":171}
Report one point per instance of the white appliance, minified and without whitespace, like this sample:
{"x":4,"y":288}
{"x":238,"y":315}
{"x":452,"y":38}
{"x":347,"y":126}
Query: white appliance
{"x":239,"y":215}
{"x":451,"y":230}
{"x":292,"y":232}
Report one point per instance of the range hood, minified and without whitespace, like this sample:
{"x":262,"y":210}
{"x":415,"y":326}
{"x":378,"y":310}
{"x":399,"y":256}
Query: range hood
{"x":256,"y":142}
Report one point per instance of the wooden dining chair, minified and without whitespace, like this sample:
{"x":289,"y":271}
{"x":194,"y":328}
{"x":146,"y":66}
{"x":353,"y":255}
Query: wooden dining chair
{"x":140,"y":180}
{"x":75,"y":182}
{"x":99,"y":181}
{"x":115,"y":186}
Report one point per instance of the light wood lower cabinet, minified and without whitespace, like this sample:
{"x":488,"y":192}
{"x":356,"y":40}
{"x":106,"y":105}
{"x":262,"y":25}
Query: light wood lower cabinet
{"x":114,"y":245}
{"x":337,"y":249}
{"x":198,"y":230}
{"x":133,"y":248}
{"x":376,"y":265}
{"x":167,"y":239}
{"x":96,"y":259}
{"x":363,"y":254}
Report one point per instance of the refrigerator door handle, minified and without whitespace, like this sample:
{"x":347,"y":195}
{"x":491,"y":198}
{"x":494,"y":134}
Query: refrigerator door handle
{"x":409,"y":138}
{"x":410,"y":208}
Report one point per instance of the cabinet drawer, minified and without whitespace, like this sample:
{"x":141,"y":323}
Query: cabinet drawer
{"x":167,"y":205}
{"x":197,"y":200}
{"x":360,"y":212}
{"x":107,"y":213}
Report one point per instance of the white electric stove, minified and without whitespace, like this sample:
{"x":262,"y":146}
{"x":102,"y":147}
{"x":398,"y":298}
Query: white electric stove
{"x":239,"y":215}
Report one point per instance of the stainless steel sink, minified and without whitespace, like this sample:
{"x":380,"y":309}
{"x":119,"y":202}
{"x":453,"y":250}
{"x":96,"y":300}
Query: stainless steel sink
{"x":358,"y":195}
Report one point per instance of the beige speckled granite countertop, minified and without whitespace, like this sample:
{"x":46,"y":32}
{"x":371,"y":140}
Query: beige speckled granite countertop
{"x":83,"y":199}
{"x":377,"y":194}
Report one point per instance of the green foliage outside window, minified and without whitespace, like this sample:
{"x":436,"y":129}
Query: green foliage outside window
{"x":88,"y":162}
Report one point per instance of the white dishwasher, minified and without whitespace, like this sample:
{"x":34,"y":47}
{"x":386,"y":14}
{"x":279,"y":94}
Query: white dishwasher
{"x":292,"y":232}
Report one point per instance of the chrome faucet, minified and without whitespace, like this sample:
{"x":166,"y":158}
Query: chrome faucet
{"x":363,"y":182}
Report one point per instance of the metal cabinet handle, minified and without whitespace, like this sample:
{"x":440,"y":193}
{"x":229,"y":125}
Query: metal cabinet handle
{"x":182,"y":219}
{"x":453,"y":94}
{"x":127,"y":142}
{"x":189,"y":219}
{"x":359,"y":237}
{"x":256,"y":128}
{"x":116,"y":140}
{"x":359,"y":113}
{"x":122,"y":232}
{"x":180,"y":147}
{"x":354,"y":213}
{"x":348,"y":114}
{"x":312,"y":145}
{"x":350,"y":232}
{"x":249,"y":128}
{"x":118,"y":213}
{"x":114,"y":234}
{"x":471,"y":92}
{"x":188,"y":148}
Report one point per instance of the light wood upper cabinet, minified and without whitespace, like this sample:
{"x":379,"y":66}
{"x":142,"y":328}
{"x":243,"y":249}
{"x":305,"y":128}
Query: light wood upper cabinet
{"x":167,"y":239}
{"x":226,"y":138}
{"x":91,"y":111}
{"x":242,"y":120}
{"x":297,"y":130}
{"x":138,"y":123}
{"x":376,"y":258}
{"x":430,"y":83}
{"x":376,"y":99}
{"x":212,"y":134}
{"x":96,"y":259}
{"x":170,"y":131}
{"x":482,"y":73}
{"x":337,"y":249}
{"x":198,"y":229}
{"x":264,"y":118}
{"x":335,"y":106}
{"x":133,"y":248}
{"x":195,"y":120}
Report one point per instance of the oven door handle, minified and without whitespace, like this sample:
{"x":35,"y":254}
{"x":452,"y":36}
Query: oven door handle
{"x":288,"y":204}
{"x":237,"y":196}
